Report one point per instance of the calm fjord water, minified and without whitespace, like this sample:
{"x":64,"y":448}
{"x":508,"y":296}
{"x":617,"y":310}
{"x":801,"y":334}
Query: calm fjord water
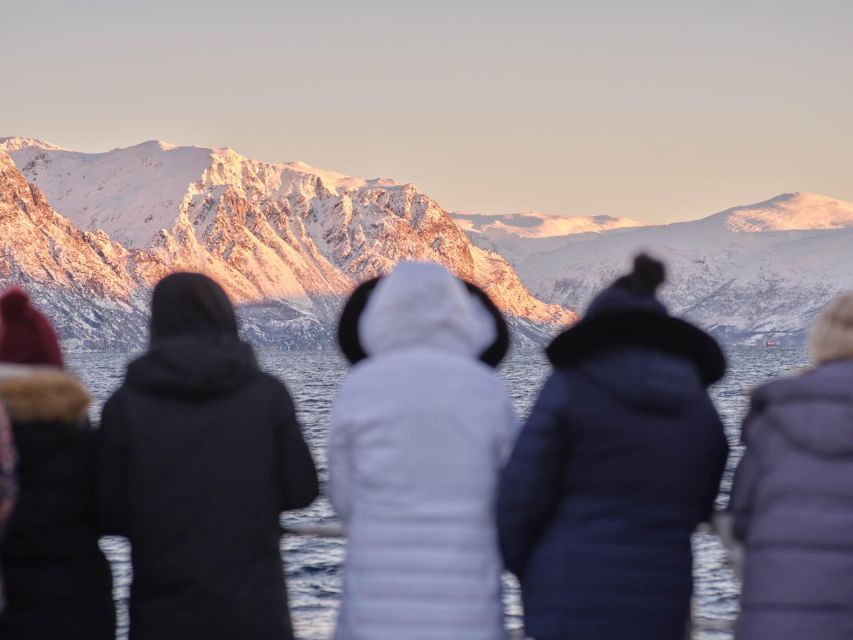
{"x":313,"y":565}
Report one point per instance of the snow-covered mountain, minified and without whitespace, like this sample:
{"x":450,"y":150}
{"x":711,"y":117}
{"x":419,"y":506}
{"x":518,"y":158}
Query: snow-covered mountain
{"x":745,"y":273}
{"x":534,"y":224}
{"x":86,"y":280}
{"x":789,"y":212}
{"x":287,"y":240}
{"x":90,"y":233}
{"x":516,"y":235}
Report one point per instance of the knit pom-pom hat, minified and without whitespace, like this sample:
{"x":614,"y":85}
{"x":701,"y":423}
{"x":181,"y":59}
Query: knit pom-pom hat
{"x":635,"y":291}
{"x":832,"y":333}
{"x":26,"y":336}
{"x":628,"y":314}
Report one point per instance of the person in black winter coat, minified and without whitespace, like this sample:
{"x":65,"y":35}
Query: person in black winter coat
{"x":618,"y":463}
{"x":8,"y":485}
{"x":200,"y":453}
{"x":58,"y":583}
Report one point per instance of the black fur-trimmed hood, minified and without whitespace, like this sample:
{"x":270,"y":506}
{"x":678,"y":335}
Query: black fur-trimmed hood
{"x":628,"y":315}
{"x":348,"y":326}
{"x":611,"y":331}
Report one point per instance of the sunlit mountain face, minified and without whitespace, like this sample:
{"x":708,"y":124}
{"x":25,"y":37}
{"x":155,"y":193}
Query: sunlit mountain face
{"x":90,"y":234}
{"x":288,"y":241}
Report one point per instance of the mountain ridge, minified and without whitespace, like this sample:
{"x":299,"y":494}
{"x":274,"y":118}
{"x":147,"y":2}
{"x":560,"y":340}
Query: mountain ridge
{"x":289,"y":240}
{"x":284,"y":233}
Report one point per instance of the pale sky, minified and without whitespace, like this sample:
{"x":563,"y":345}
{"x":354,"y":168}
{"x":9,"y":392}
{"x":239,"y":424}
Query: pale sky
{"x":657,"y":110}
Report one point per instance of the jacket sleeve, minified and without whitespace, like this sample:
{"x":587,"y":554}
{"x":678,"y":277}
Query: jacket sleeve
{"x":721,"y":456}
{"x":296,"y":470}
{"x":510,"y":431}
{"x":339,"y":453}
{"x":531,"y":481}
{"x":747,"y":477}
{"x":112,"y":488}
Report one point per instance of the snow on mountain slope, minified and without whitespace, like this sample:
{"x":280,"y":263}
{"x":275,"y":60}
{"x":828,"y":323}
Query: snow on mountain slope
{"x":85,"y":279}
{"x":790,"y":212}
{"x":518,"y":235}
{"x":738,"y":282}
{"x":282,"y":232}
{"x":289,"y":241}
{"x":533,"y":224}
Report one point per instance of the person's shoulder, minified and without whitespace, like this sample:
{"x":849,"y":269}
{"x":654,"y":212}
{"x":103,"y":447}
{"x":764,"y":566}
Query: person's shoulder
{"x":264,"y":378}
{"x":803,"y":386}
{"x":559,"y":380}
{"x":266,"y":382}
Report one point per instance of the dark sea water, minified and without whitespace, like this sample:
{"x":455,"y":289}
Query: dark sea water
{"x":313,"y":564}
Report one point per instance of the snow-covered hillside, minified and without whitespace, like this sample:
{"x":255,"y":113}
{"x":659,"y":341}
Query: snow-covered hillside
{"x":533,"y":224}
{"x":517,"y":235}
{"x":745,"y":273}
{"x":287,"y":235}
{"x":790,"y":212}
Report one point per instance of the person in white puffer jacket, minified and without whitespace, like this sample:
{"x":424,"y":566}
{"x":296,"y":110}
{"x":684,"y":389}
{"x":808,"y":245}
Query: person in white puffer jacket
{"x":420,"y":429}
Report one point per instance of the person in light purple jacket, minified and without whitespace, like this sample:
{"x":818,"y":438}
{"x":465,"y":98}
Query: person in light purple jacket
{"x":792,"y":498}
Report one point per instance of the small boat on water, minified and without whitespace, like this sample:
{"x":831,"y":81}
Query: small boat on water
{"x":771,"y":343}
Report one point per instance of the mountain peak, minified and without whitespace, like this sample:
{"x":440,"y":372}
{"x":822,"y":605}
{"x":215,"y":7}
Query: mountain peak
{"x":16,"y":143}
{"x":797,"y":211}
{"x":162,"y":145}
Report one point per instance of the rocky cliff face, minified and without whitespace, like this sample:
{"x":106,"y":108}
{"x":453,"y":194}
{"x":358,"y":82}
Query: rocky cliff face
{"x":288,"y":241}
{"x":86,"y":281}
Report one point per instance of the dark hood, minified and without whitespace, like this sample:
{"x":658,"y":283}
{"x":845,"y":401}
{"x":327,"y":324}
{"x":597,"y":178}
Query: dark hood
{"x":646,"y":379}
{"x":193,"y":366}
{"x":190,"y":304}
{"x":195,"y":349}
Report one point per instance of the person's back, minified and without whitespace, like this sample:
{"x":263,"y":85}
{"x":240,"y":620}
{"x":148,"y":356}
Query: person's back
{"x":200,"y":453}
{"x":8,"y":485}
{"x":792,"y":496}
{"x":419,"y":431}
{"x":58,"y":583}
{"x":619,"y":461}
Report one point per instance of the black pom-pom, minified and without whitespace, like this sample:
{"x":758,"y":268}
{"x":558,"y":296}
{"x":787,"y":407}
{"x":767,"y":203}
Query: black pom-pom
{"x":648,"y":274}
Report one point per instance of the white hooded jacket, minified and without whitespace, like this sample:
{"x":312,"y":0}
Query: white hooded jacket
{"x":419,"y":431}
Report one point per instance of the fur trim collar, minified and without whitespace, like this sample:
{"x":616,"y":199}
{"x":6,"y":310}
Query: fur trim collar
{"x":42,"y":394}
{"x":609,"y":331}
{"x":350,"y":341}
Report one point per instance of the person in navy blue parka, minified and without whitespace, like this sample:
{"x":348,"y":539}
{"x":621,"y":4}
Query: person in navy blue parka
{"x":618,"y":463}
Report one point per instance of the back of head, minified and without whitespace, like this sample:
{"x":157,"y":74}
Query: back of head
{"x":190,"y":304}
{"x":628,"y":316}
{"x":635,"y":291}
{"x":26,"y":336}
{"x":195,"y":348}
{"x":423,"y":304}
{"x":832,"y":333}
